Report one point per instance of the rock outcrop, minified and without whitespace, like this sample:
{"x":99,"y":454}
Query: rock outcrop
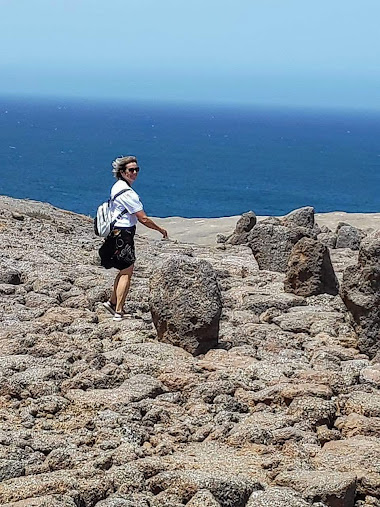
{"x":361,"y":294}
{"x":272,"y":244}
{"x":272,"y":240}
{"x":285,"y":410}
{"x":263,"y":239}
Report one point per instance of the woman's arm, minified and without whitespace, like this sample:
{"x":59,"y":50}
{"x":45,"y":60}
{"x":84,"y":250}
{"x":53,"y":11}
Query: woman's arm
{"x":148,"y":222}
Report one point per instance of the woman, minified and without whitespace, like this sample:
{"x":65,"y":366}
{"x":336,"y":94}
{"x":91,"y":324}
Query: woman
{"x":118,"y":250}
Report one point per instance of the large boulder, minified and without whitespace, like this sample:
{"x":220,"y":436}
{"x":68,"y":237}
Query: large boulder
{"x":272,"y":240}
{"x":309,"y":271}
{"x":360,"y":292}
{"x":348,"y":236}
{"x":185,"y":302}
{"x":271,"y":244}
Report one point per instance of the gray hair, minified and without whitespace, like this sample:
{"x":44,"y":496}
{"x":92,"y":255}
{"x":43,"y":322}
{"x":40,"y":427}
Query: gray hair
{"x":120,"y":163}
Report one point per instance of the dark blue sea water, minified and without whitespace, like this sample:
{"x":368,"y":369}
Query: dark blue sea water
{"x":196,"y":161}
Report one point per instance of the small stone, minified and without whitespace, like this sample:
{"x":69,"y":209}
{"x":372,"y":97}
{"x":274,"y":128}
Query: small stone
{"x":18,"y":216}
{"x":221,"y":238}
{"x":10,"y":276}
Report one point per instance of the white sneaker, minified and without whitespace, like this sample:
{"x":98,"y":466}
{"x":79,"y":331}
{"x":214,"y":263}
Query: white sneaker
{"x":109,"y":307}
{"x":118,"y":317}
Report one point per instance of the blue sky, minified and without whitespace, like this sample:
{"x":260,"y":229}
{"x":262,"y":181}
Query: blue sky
{"x":268,"y":52}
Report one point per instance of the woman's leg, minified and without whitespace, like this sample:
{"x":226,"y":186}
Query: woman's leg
{"x":121,"y":288}
{"x":113,"y":298}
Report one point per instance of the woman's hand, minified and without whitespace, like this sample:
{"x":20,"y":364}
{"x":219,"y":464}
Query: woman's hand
{"x":148,"y":222}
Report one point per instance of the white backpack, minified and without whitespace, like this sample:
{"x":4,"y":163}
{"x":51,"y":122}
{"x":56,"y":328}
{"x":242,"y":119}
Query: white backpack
{"x":103,"y":223}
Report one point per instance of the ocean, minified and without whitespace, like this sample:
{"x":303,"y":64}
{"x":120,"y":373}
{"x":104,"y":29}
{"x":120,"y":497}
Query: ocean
{"x":196,"y":160}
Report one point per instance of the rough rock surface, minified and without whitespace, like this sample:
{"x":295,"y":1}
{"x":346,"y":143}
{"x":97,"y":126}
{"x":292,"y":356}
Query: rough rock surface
{"x":272,"y":240}
{"x":309,"y":270}
{"x":245,"y":224}
{"x":328,"y":239}
{"x":301,"y":217}
{"x":185,"y":303}
{"x":284,"y":412}
{"x":361,"y":293}
{"x":348,"y":237}
{"x":272,"y":244}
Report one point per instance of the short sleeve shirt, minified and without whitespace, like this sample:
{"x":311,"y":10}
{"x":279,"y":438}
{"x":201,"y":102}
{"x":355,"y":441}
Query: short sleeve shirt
{"x":129,"y":200}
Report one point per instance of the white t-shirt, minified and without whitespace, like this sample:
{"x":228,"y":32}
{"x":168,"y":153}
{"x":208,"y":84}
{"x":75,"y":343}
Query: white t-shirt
{"x":129,"y":200}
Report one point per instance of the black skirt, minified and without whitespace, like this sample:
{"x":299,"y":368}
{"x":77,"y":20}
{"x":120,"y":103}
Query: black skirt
{"x":118,"y":249}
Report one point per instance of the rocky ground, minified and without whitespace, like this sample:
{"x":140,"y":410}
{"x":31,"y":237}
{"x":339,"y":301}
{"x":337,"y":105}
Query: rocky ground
{"x":284,"y":412}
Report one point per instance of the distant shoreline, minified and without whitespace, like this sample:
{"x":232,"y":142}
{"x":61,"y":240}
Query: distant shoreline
{"x":203,"y":231}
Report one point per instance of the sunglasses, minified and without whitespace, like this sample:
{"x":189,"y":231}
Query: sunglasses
{"x":133,"y":169}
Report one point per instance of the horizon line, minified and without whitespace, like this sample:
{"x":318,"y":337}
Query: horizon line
{"x":188,"y":102}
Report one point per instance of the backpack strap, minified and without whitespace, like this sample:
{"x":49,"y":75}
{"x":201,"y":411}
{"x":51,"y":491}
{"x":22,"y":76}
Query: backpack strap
{"x":124,"y":211}
{"x":119,"y":193}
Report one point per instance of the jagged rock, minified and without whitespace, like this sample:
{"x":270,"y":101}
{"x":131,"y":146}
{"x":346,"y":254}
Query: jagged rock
{"x":271,"y":244}
{"x":371,"y":375}
{"x":245,"y":223}
{"x":348,"y":237}
{"x":364,"y":403}
{"x":314,"y":410}
{"x":309,"y":271}
{"x":336,"y":489}
{"x":360,"y":292}
{"x":357,"y":424}
{"x":301,"y":217}
{"x":328,"y":239}
{"x":369,"y":254}
{"x":10,"y":468}
{"x":358,"y":456}
{"x":258,"y":428}
{"x":185,"y":303}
